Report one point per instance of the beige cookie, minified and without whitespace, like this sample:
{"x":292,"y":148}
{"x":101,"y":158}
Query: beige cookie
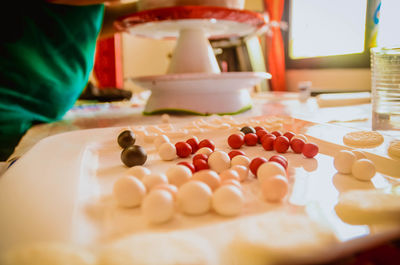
{"x":363,"y":139}
{"x":394,"y":148}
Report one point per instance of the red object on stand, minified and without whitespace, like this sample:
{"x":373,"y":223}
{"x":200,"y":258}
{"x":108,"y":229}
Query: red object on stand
{"x":108,"y":63}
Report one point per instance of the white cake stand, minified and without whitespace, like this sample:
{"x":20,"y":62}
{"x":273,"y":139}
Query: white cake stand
{"x":193,"y":83}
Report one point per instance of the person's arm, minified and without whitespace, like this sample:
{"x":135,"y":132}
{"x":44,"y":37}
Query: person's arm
{"x":113,"y":10}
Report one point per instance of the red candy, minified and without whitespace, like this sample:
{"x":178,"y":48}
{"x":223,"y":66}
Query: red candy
{"x":289,"y":135}
{"x":207,"y":143}
{"x":251,"y":139}
{"x":200,"y":156}
{"x":279,"y":159}
{"x":297,"y":145}
{"x":277,"y":133}
{"x":200,"y":164}
{"x":310,"y":150}
{"x":281,"y":144}
{"x":187,"y":164}
{"x":257,"y":128}
{"x":235,"y":141}
{"x":234,"y":153}
{"x":268,"y":142}
{"x":194,"y":143}
{"x":183,"y":149}
{"x":260,"y":134}
{"x":256,"y":163}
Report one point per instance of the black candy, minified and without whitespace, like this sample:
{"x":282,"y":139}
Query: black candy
{"x":133,"y":155}
{"x":248,"y":129}
{"x":126,"y":138}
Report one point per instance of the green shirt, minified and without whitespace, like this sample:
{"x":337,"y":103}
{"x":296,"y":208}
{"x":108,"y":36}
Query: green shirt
{"x":46,"y":56}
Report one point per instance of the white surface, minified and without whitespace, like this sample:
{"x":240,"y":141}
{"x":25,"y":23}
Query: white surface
{"x":200,"y":92}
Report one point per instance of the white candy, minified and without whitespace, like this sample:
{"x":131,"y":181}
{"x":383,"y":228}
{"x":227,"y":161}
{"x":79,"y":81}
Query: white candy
{"x":129,"y":191}
{"x":242,"y":171}
{"x":158,"y":206}
{"x":204,"y":150}
{"x":167,"y":151}
{"x":229,"y":174}
{"x":363,"y":169}
{"x":159,"y":140}
{"x":240,"y":160}
{"x":344,"y":161}
{"x":152,"y":180}
{"x":209,"y":177}
{"x":270,"y":169}
{"x":194,"y":197}
{"x":359,"y":154}
{"x":275,"y":188}
{"x":228,"y":200}
{"x":219,"y":161}
{"x":139,"y":171}
{"x":178,"y":175}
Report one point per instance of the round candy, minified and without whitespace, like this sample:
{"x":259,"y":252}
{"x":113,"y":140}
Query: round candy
{"x":359,"y":154}
{"x":152,"y":180}
{"x":126,"y":138}
{"x":159,"y":140}
{"x":242,"y":171}
{"x":240,"y":160}
{"x":207,"y":143}
{"x":219,"y":161}
{"x":133,"y":155}
{"x":231,"y":182}
{"x":200,"y":164}
{"x":188,"y":165}
{"x":289,"y":135}
{"x":267,"y":142}
{"x":183,"y":149}
{"x":277,"y":133}
{"x":259,"y":128}
{"x":300,"y":136}
{"x":251,"y":139}
{"x":228,"y":200}
{"x":281,"y":144}
{"x":129,"y":191}
{"x":234,"y":153}
{"x":209,"y":177}
{"x":178,"y":175}
{"x":168,"y":187}
{"x":194,"y":143}
{"x":194,"y":198}
{"x":297,"y":145}
{"x":158,"y":206}
{"x":343,"y":161}
{"x":255,"y":163}
{"x":235,"y":141}
{"x":275,"y":188}
{"x":270,"y":169}
{"x":167,"y":151}
{"x":248,"y":129}
{"x":138,"y":171}
{"x":279,"y":159}
{"x":200,"y":156}
{"x":363,"y":169}
{"x":204,"y":150}
{"x":260,"y":134}
{"x":310,"y":150}
{"x":229,"y":174}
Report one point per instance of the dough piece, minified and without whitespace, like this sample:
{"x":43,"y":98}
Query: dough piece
{"x":194,"y":197}
{"x":228,"y":200}
{"x":363,"y":169}
{"x":47,"y":254}
{"x":394,"y":148}
{"x":368,"y":207}
{"x":363,"y":139}
{"x":178,"y":175}
{"x":129,"y":191}
{"x":158,"y":206}
{"x":159,"y":248}
{"x":343,"y":161}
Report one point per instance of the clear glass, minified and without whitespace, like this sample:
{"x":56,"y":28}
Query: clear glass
{"x":385,"y":74}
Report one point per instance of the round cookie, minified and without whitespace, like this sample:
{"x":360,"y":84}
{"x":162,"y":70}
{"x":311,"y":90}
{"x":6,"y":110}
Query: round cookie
{"x":363,"y":139}
{"x":394,"y":148}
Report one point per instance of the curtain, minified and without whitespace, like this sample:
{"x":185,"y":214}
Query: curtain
{"x":274,"y":45}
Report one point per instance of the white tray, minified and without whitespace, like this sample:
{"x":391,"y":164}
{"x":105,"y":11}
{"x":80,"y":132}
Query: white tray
{"x":60,"y":192}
